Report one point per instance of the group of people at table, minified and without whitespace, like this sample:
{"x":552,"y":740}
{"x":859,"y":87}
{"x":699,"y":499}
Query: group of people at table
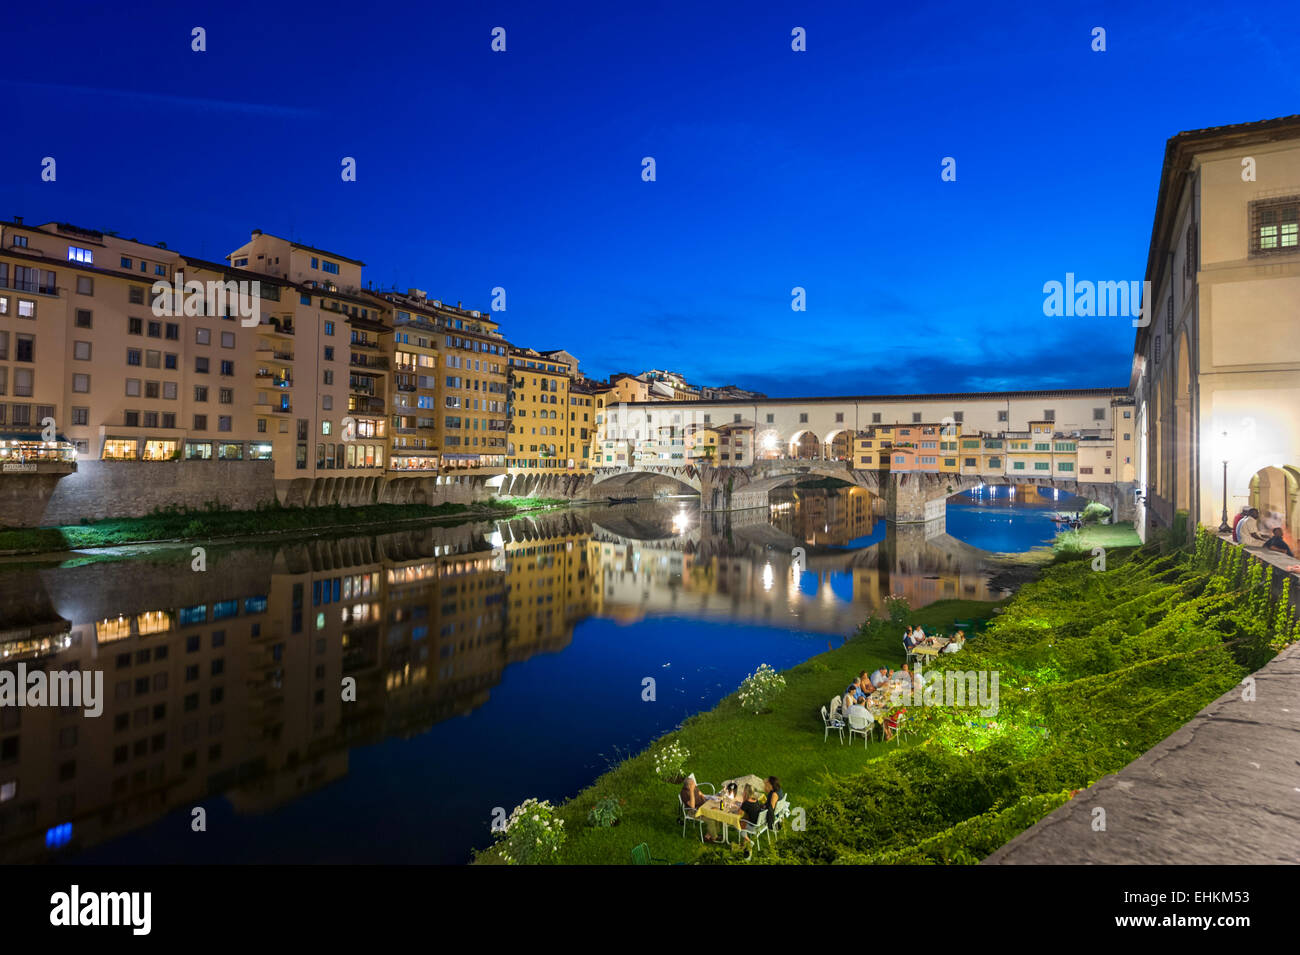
{"x":743,"y":803}
{"x":874,"y":692}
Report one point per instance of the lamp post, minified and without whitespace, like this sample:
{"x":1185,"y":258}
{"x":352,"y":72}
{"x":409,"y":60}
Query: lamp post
{"x":1224,"y":527}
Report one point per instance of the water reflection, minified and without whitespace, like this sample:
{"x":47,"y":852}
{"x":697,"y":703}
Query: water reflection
{"x":229,"y":682}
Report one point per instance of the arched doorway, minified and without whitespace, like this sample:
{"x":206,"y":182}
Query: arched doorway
{"x":839,"y":446}
{"x":1275,"y":493}
{"x":806,"y":446}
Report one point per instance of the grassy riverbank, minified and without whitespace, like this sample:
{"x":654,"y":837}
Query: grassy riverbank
{"x":1095,"y":668}
{"x":217,"y":523}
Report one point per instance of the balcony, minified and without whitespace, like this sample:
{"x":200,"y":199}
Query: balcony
{"x":378,"y":362}
{"x":366,"y":344}
{"x":266,"y":376}
{"x":366,"y":405}
{"x":275,"y":328}
{"x":274,"y":355}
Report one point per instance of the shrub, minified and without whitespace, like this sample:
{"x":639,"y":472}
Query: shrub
{"x":761,"y":688}
{"x":532,"y":835}
{"x":604,"y":814}
{"x":670,"y":761}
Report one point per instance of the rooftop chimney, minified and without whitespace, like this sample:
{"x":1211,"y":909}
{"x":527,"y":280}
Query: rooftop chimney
{"x":18,"y":220}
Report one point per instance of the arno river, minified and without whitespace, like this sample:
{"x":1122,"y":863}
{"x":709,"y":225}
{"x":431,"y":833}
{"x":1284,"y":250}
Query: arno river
{"x":492,"y":661}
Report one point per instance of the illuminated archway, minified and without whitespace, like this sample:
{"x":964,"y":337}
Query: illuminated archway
{"x":839,"y":445}
{"x":1275,"y":492}
{"x":806,"y":446}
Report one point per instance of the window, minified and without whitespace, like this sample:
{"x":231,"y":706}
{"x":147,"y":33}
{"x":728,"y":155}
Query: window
{"x":201,"y":365}
{"x":201,"y":422}
{"x":227,"y":339}
{"x":1169,"y":315}
{"x":1157,"y":349}
{"x":22,"y":385}
{"x":329,"y":352}
{"x":1098,"y":414}
{"x":200,"y":392}
{"x":133,"y":387}
{"x":135,"y":326}
{"x":81,"y":384}
{"x":125,"y":262}
{"x":223,"y":422}
{"x":151,"y":389}
{"x":875,"y":417}
{"x":227,"y":368}
{"x":226,"y":396}
{"x":24,"y":348}
{"x":329,"y":328}
{"x":173,"y":331}
{"x":771,"y":418}
{"x":155,"y":329}
{"x":1049,"y":414}
{"x":170,"y":361}
{"x":80,"y":416}
{"x":331,"y":267}
{"x":202,"y":336}
{"x":1002,"y":416}
{"x":1275,"y":226}
{"x":20,"y":242}
{"x":80,"y":351}
{"x":133,"y":356}
{"x":85,"y":285}
{"x":803,"y":417}
{"x":135,"y":295}
{"x":1189,"y":255}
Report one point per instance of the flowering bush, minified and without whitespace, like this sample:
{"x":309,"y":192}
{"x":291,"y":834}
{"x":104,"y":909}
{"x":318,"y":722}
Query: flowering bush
{"x":670,"y":762}
{"x":760,"y":688}
{"x":532,"y":835}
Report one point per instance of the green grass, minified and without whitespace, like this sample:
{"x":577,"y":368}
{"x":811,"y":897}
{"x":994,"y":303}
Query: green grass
{"x":1095,"y":668}
{"x":727,"y":741}
{"x":217,"y":523}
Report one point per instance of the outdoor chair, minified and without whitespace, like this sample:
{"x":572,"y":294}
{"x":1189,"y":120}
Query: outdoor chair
{"x":641,"y":856}
{"x":861,"y":725}
{"x":832,"y":723}
{"x":756,"y":831}
{"x":782,"y":814}
{"x":688,"y":816}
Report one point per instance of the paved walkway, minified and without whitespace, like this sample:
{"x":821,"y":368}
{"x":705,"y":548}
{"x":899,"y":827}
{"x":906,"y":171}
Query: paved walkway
{"x":1224,"y":789}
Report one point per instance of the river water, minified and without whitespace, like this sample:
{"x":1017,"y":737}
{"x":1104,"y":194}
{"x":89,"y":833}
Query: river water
{"x":491,"y":661}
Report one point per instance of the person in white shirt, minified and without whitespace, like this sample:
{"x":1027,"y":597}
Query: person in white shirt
{"x":956,"y":643}
{"x":1248,"y":534}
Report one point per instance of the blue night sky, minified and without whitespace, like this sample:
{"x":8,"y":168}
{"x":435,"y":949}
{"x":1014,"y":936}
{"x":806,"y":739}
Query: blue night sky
{"x":775,"y":169}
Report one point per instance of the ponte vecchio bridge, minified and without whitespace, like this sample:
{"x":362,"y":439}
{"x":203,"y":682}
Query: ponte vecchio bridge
{"x":911,"y":452}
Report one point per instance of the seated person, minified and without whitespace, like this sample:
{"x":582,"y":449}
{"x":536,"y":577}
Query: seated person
{"x":691,"y":796}
{"x":879,"y":677}
{"x":956,"y":643}
{"x":919,"y":634}
{"x":1278,"y":543}
{"x":749,"y":812}
{"x":909,"y":638}
{"x":891,"y":723}
{"x":864,"y":681}
{"x":773,"y":795}
{"x":906,"y":675}
{"x":853,"y":694}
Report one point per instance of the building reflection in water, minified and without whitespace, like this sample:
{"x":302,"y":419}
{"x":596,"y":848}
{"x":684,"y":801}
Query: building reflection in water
{"x":229,"y":682}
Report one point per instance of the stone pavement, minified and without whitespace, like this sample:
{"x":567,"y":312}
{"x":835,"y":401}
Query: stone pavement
{"x":1224,"y":789}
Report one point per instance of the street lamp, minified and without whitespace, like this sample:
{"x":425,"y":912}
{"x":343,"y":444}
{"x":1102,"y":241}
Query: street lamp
{"x":1224,"y":526}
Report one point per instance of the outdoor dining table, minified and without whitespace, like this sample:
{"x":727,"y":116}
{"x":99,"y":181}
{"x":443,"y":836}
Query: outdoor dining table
{"x":930,"y":649}
{"x":713,"y":810}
